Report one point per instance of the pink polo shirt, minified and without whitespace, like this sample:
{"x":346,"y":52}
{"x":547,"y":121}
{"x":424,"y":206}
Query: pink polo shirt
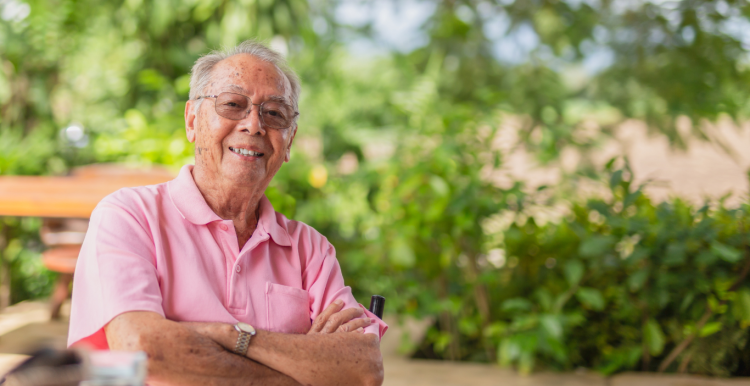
{"x":160,"y":248}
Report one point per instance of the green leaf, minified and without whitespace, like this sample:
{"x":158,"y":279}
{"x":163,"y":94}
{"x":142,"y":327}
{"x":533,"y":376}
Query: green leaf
{"x":516,"y":304}
{"x":508,"y":351}
{"x":573,"y":272}
{"x":282,"y":203}
{"x":620,"y":358}
{"x":639,"y":253}
{"x":439,"y":186}
{"x":725,"y":252}
{"x":596,"y":246}
{"x":552,"y":326}
{"x":526,"y":363}
{"x":706,"y":258}
{"x":545,"y":299}
{"x":742,"y":303}
{"x":637,"y":279}
{"x":468,"y":326}
{"x":591,"y":298}
{"x":401,"y":254}
{"x":675,"y":254}
{"x":496,"y":329}
{"x":710,"y":329}
{"x":616,"y":178}
{"x":517,"y":347}
{"x":687,"y":301}
{"x":654,"y":337}
{"x":631,"y":198}
{"x":610,"y":163}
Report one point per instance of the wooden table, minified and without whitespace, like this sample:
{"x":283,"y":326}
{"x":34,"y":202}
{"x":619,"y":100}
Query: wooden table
{"x":71,"y":196}
{"x":68,"y":198}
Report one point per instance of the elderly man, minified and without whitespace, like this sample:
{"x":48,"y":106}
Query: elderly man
{"x":203,"y":275}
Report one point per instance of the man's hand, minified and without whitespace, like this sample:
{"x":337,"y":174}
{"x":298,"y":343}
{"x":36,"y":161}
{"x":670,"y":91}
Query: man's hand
{"x":318,"y":358}
{"x":310,"y":358}
{"x":332,"y":319}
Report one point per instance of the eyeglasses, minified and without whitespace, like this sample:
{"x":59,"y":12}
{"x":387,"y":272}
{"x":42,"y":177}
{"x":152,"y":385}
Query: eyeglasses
{"x":273,"y":114}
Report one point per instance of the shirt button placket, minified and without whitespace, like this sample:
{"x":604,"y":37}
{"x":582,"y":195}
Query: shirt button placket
{"x":237,"y":268}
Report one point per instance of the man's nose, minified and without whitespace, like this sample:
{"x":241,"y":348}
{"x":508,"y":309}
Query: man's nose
{"x":252,"y":121}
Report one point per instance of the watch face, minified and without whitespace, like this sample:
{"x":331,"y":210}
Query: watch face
{"x":246,"y":327}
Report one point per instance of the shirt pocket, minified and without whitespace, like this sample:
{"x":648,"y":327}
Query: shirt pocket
{"x":288,"y":309}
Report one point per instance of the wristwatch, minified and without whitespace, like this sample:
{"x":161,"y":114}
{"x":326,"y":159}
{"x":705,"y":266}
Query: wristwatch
{"x":243,"y":340}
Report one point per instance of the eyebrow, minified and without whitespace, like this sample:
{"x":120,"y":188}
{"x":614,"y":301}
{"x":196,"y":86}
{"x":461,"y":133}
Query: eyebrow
{"x":277,"y":98}
{"x":237,"y":88}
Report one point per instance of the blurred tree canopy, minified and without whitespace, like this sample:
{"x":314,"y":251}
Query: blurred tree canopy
{"x":397,"y":138}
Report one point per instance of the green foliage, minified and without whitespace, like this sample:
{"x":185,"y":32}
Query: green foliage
{"x":21,"y":259}
{"x":642,"y":275}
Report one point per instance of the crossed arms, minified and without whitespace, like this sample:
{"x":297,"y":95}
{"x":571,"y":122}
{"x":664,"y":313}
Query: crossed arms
{"x":333,"y":352}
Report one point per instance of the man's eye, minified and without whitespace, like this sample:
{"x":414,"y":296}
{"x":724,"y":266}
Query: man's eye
{"x":274,"y":113}
{"x":232,"y":105}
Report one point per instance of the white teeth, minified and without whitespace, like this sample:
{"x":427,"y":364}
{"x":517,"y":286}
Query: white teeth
{"x":247,"y":152}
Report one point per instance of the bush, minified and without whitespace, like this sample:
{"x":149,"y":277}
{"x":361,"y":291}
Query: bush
{"x":618,"y":284}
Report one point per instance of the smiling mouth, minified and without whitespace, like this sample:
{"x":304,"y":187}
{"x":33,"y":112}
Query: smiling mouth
{"x":246,"y":152}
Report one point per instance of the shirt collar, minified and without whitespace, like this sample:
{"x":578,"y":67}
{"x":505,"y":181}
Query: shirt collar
{"x":191,"y":205}
{"x":268,"y":221}
{"x":188,"y":199}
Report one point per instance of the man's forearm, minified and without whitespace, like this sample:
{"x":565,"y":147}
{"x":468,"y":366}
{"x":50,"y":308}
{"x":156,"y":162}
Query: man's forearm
{"x":180,"y":356}
{"x":332,"y":359}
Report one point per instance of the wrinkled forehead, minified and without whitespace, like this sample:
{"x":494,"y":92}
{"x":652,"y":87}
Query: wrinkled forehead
{"x":245,"y":73}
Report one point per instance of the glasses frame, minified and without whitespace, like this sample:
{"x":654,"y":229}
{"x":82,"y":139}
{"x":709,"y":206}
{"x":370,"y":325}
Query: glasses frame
{"x":260,"y":109}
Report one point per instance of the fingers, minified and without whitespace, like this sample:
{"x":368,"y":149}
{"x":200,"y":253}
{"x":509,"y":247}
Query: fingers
{"x":354,"y":324}
{"x":322,"y":319}
{"x":339,"y":318}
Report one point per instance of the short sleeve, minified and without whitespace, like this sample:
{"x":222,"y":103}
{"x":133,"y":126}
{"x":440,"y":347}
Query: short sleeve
{"x":325,"y":284}
{"x":116,"y":271}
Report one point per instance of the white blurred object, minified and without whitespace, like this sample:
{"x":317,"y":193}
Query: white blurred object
{"x":278,"y":44}
{"x":14,"y":10}
{"x":75,"y":135}
{"x":116,"y":368}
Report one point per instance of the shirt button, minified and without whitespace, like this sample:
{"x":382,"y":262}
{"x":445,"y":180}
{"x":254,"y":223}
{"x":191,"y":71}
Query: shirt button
{"x":237,"y":269}
{"x":223,"y":227}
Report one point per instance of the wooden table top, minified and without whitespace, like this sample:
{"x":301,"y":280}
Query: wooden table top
{"x":71,"y":196}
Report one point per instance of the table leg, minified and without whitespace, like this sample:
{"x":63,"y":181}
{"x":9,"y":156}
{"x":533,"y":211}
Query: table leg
{"x":59,"y":294}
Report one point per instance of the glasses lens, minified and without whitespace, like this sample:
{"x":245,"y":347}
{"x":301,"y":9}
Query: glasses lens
{"x":277,"y":115}
{"x":232,"y":106}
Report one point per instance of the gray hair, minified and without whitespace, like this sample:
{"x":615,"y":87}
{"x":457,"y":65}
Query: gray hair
{"x":201,"y":72}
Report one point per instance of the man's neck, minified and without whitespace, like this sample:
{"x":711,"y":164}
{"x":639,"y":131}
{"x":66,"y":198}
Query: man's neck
{"x":241,"y":204}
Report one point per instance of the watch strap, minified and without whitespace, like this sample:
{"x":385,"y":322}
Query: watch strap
{"x":243,"y":340}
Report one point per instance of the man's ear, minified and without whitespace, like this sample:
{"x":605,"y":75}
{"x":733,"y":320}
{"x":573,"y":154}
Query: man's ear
{"x":288,"y":154}
{"x":190,"y":120}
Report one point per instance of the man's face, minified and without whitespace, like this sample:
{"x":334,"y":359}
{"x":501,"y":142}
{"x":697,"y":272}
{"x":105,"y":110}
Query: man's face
{"x":216,"y":137}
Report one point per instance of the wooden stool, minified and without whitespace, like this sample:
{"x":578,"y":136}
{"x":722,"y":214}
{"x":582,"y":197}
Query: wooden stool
{"x":62,"y":260}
